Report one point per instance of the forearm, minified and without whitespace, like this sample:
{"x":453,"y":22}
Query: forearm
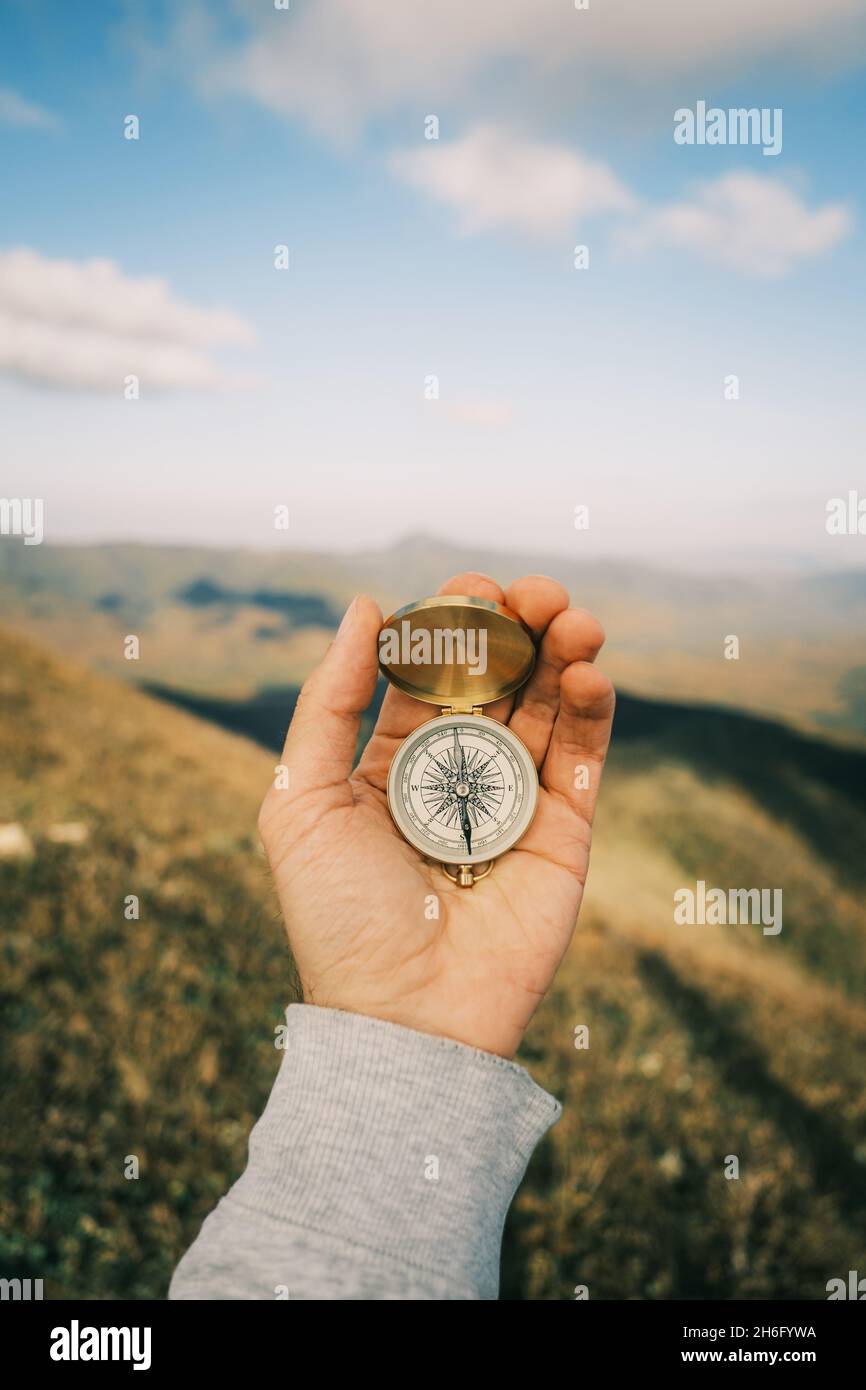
{"x":382,"y":1168}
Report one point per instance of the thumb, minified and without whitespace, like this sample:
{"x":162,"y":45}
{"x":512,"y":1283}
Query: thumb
{"x":320,"y":745}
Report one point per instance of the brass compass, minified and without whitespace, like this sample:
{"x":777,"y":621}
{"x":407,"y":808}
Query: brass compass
{"x":462,"y":788}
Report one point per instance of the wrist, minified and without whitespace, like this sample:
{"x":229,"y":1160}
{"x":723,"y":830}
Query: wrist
{"x":484,"y":1033}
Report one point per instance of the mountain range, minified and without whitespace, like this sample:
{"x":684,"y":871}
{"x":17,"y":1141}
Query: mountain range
{"x":231,"y":624}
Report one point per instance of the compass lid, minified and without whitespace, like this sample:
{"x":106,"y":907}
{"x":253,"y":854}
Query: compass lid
{"x":455,"y":650}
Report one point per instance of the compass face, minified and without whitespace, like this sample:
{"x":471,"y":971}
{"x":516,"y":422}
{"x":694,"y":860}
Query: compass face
{"x":462,"y":789}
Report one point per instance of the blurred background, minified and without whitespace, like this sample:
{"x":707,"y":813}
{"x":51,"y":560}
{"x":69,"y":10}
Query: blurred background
{"x":353,"y":296}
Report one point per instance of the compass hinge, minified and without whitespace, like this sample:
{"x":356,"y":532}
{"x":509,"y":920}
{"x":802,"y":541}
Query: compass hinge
{"x":462,"y":709}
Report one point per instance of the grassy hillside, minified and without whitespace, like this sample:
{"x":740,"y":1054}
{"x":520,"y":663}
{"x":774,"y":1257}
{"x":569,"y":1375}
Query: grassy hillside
{"x":155,"y":1038}
{"x":152,"y":1038}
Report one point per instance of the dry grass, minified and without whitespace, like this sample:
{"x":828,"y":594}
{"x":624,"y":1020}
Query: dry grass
{"x":155,"y":1038}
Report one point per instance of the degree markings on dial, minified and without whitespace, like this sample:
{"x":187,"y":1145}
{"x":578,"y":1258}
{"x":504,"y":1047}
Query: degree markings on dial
{"x":438,"y":781}
{"x":488,"y":815}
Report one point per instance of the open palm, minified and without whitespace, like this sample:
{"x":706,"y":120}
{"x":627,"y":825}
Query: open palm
{"x":377,"y":929}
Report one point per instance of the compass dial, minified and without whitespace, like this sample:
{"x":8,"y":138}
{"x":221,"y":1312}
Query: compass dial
{"x":462,"y":789}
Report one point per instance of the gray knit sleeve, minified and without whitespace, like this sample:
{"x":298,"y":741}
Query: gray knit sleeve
{"x":382,"y":1168}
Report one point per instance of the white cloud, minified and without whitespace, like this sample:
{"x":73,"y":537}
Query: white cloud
{"x":15,"y":110}
{"x":86,"y":324}
{"x":341,"y":63}
{"x":750,"y":223}
{"x":493,"y":178}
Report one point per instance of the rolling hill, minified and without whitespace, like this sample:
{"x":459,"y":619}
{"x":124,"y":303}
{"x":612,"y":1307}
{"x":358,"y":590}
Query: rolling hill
{"x":153,"y":1038}
{"x":227,"y":624}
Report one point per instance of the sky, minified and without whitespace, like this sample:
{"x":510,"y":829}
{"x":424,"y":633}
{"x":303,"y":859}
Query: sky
{"x":432,"y":359}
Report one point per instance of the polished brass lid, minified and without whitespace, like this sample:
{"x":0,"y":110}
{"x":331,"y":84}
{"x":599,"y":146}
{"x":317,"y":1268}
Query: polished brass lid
{"x":456,"y":651}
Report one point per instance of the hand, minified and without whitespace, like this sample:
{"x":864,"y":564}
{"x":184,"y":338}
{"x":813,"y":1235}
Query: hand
{"x":357,"y":898}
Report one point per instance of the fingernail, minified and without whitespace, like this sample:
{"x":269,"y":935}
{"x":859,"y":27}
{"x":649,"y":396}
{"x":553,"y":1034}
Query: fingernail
{"x":347,"y":619}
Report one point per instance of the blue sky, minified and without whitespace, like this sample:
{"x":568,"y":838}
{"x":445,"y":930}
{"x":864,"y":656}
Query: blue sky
{"x":557,"y":387}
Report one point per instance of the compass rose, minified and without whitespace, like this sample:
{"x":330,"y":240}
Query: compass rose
{"x":462,"y":787}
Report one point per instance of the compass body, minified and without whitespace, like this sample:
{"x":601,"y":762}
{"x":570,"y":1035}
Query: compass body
{"x":462,"y":789}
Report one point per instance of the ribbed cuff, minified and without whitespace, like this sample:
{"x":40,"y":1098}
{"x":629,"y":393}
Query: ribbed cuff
{"x":408,"y":1144}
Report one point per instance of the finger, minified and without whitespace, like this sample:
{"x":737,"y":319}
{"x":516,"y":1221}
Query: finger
{"x":575,"y":758}
{"x":536,"y":599}
{"x":400,"y":713}
{"x":320,"y":745}
{"x":573,"y":635}
{"x":474,"y":584}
